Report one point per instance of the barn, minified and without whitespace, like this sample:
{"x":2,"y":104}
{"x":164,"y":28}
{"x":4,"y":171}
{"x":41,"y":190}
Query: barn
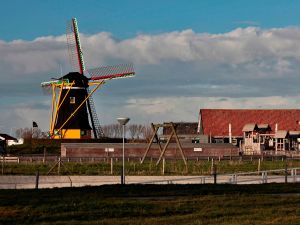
{"x":253,"y":130}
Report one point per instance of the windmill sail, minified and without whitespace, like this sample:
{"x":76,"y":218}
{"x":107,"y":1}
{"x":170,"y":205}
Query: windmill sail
{"x":74,"y":47}
{"x":97,"y":129}
{"x":111,"y":72}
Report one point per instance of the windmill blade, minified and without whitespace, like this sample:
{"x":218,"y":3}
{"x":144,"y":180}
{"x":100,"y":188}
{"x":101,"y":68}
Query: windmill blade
{"x":48,"y":83}
{"x":112,"y":72}
{"x":74,"y":47}
{"x":51,"y":82}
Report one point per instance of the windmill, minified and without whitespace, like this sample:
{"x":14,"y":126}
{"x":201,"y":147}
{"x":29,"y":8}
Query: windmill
{"x":73,"y":113}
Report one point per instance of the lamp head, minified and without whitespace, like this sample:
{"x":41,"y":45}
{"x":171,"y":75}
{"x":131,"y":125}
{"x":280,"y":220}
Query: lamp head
{"x":123,"y":120}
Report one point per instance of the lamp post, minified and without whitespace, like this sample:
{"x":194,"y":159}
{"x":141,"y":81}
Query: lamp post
{"x":123,"y":121}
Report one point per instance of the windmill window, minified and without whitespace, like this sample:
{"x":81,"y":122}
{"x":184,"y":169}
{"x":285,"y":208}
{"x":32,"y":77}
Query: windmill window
{"x":72,"y":100}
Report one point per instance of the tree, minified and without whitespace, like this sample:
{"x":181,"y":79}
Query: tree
{"x":147,"y":132}
{"x":133,"y":130}
{"x":140,"y":129}
{"x":136,"y":131}
{"x":112,"y":130}
{"x":29,"y":133}
{"x":108,"y":131}
{"x":117,"y":130}
{"x":25,"y":133}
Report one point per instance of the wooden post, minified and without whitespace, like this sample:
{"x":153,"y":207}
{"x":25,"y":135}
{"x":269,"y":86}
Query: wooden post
{"x":294,"y":174}
{"x":285,"y":172}
{"x":165,"y":147}
{"x":2,"y":165}
{"x":58,"y":167}
{"x":37,"y":177}
{"x":122,"y":179}
{"x":155,"y":129}
{"x":111,"y":166}
{"x":178,"y":143}
{"x":258,"y":166}
{"x":163,"y":166}
{"x":44,"y":158}
{"x":215,"y":173}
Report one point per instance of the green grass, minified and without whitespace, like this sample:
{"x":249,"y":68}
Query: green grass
{"x":202,"y":167}
{"x":154,"y":204}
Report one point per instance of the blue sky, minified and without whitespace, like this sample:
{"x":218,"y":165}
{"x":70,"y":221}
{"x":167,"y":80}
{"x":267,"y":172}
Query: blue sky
{"x":187,"y":54}
{"x":33,"y":18}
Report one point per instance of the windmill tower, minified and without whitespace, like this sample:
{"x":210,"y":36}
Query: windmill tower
{"x":73,"y":112}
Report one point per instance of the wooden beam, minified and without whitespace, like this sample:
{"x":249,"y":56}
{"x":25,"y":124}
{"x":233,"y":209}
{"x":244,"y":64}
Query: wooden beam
{"x":155,"y":129}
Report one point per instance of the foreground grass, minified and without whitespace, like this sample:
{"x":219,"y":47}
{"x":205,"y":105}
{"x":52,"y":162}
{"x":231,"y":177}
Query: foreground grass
{"x":154,"y":204}
{"x":202,"y":167}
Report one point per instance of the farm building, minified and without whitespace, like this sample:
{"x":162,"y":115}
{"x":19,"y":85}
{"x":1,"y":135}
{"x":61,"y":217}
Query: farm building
{"x":255,"y":131}
{"x":4,"y":138}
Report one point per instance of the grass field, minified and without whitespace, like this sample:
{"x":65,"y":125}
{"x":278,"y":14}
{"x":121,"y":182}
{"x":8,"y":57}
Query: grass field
{"x":202,"y":167}
{"x":154,"y":204}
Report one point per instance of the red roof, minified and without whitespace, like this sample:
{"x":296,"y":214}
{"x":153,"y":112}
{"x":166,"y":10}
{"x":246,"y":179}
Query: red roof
{"x":215,"y":122}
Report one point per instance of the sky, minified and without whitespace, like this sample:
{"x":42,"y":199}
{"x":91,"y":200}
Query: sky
{"x":187,"y":55}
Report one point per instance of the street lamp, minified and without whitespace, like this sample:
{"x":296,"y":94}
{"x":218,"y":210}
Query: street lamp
{"x":123,"y":121}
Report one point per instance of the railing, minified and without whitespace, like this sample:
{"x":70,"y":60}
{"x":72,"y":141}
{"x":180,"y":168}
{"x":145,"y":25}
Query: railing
{"x":261,"y":177}
{"x":268,"y":176}
{"x":10,"y":159}
{"x":51,"y":158}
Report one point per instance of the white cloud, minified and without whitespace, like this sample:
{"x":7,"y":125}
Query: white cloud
{"x":239,"y":46}
{"x":177,"y":73}
{"x":26,"y":57}
{"x":187,"y":108}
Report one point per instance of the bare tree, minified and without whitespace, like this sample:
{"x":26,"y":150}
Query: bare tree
{"x":117,"y":130}
{"x":108,"y":130}
{"x":140,"y":129}
{"x":25,"y":133}
{"x":112,"y":130}
{"x":147,"y":132}
{"x":37,"y":133}
{"x":29,"y":133}
{"x":133,"y":130}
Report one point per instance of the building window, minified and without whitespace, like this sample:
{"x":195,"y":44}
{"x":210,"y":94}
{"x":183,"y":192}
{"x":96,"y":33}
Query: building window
{"x":72,"y":100}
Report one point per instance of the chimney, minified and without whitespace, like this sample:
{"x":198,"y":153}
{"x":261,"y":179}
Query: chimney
{"x":230,"y":134}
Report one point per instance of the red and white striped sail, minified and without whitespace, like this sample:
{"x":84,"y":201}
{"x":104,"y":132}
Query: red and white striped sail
{"x":74,"y":47}
{"x":111,"y":72}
